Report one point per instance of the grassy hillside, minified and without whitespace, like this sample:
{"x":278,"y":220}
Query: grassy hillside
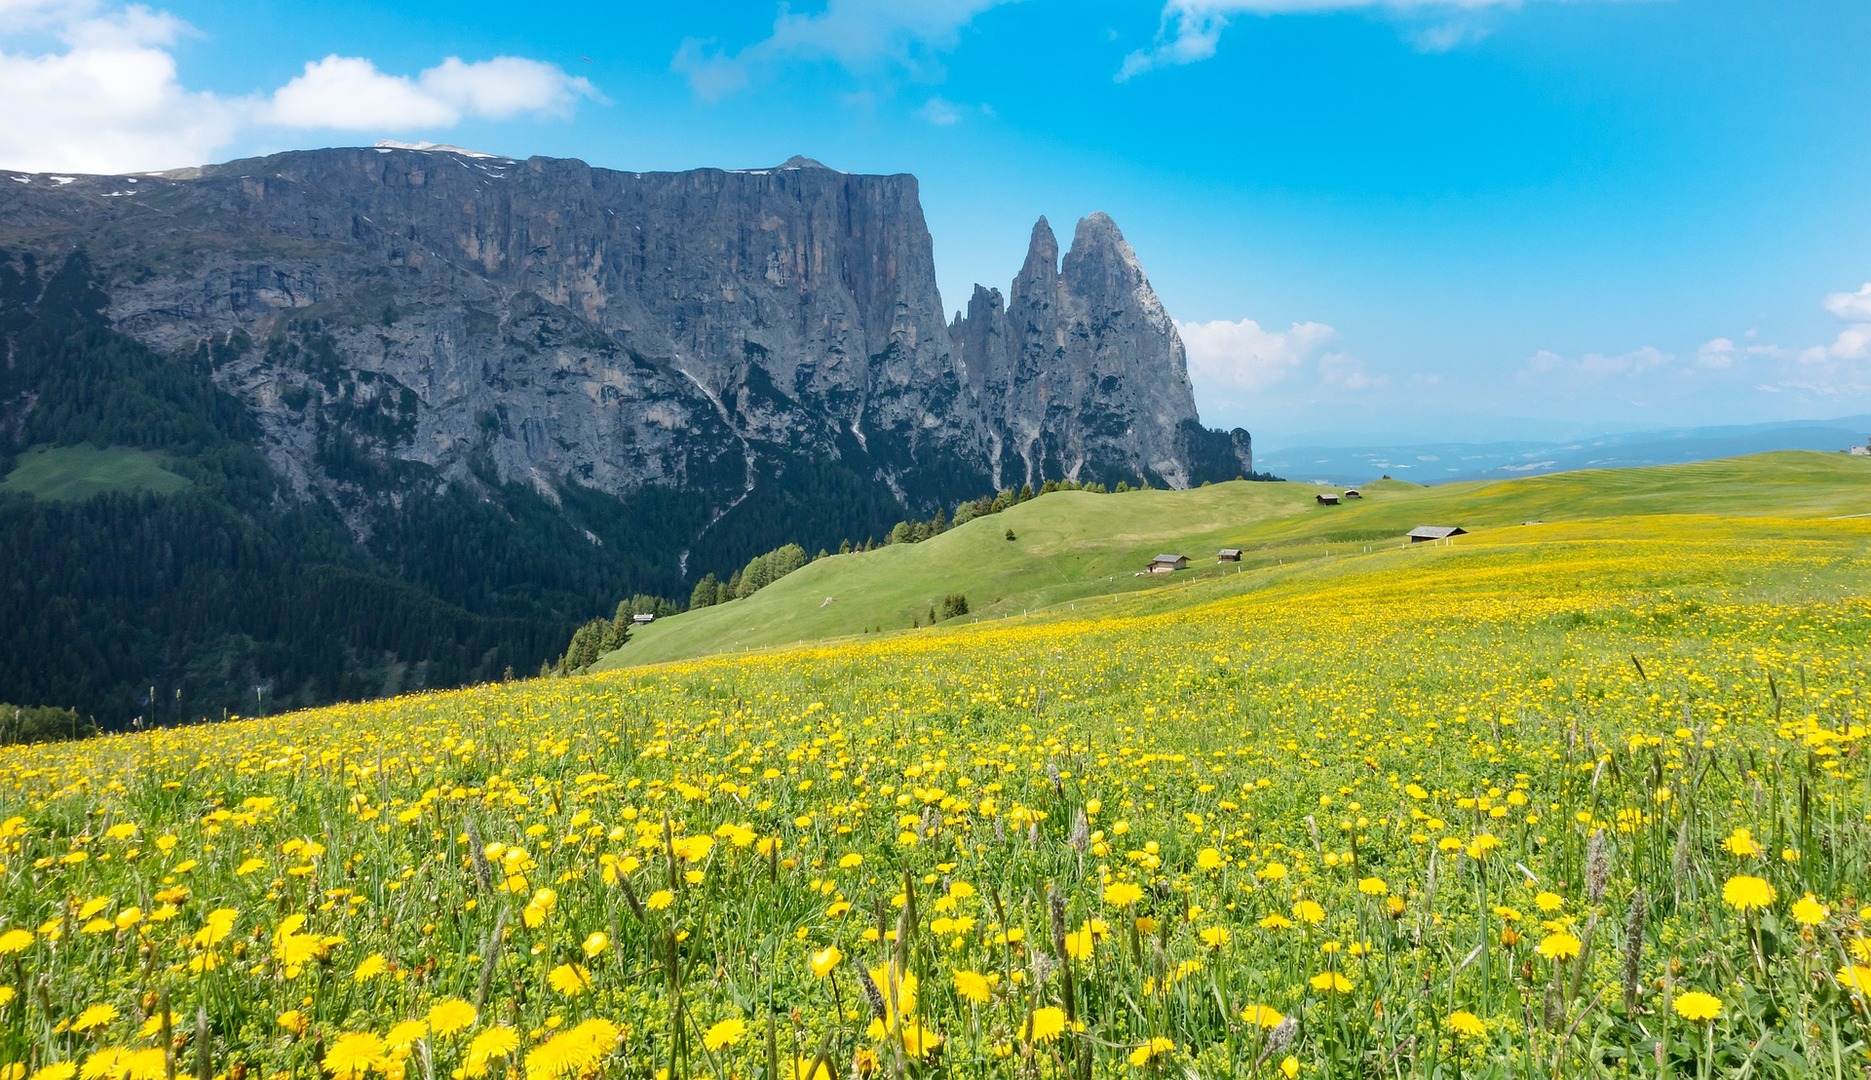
{"x":77,"y":472}
{"x":1080,"y":550}
{"x":1579,"y":799}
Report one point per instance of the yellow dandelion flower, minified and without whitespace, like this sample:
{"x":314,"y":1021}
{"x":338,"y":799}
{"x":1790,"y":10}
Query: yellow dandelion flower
{"x":574,"y":1052}
{"x":1741,"y":844}
{"x":403,"y":1035}
{"x":1331,"y":982}
{"x":149,"y":1063}
{"x":694,"y":848}
{"x":726,"y":1033}
{"x":354,"y":1055}
{"x":1808,"y":911}
{"x":1151,"y":1050}
{"x":451,"y":1016}
{"x":1559,"y":945}
{"x":918,"y":1041}
{"x":597,"y":943}
{"x":215,"y":928}
{"x":1745,"y":892}
{"x":14,"y":941}
{"x":1698,"y":1006}
{"x":973,"y":987}
{"x":495,"y":1042}
{"x":659,"y":900}
{"x":1309,"y":912}
{"x":95,"y":1016}
{"x":370,"y":967}
{"x":1262,"y":1017}
{"x":1215,"y":936}
{"x":569,"y":979}
{"x":1046,"y":1024}
{"x":1122,"y":894}
{"x":1855,"y":977}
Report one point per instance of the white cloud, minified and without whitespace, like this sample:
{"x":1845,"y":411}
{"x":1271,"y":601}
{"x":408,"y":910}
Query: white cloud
{"x":1339,"y":371}
{"x":1188,"y":35}
{"x":1852,"y":343}
{"x":101,"y":92}
{"x":1855,"y":306}
{"x":110,"y":100}
{"x":349,"y":93}
{"x":1596,"y":367}
{"x":1717,"y":353}
{"x":857,"y":35}
{"x":940,"y":112}
{"x":1227,"y":358}
{"x":1190,"y":30}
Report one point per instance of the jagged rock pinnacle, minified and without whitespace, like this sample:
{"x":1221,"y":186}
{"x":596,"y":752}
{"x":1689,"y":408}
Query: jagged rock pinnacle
{"x":1042,"y":251}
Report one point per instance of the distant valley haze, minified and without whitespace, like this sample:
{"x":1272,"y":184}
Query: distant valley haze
{"x":1374,"y":222}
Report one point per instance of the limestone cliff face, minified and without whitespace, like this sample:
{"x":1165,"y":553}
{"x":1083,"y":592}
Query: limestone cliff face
{"x":1082,"y":374}
{"x":390,"y":313}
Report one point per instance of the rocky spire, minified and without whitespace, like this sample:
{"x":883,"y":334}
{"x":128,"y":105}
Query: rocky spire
{"x":1042,"y":254}
{"x":1083,"y":374}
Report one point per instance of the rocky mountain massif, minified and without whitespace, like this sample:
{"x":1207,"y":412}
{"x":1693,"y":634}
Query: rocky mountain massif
{"x":459,"y":358}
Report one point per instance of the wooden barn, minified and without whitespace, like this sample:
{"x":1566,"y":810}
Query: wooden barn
{"x":1229,"y":555}
{"x":1435,"y":532}
{"x":1167,"y":564}
{"x":1326,"y":499}
{"x":1353,"y":493}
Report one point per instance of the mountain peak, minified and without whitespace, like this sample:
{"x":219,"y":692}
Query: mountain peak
{"x":800,"y":161}
{"x":1102,"y":260}
{"x":1042,"y":251}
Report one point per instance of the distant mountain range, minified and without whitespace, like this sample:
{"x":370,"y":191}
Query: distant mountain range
{"x":1433,"y":463}
{"x":432,"y":409}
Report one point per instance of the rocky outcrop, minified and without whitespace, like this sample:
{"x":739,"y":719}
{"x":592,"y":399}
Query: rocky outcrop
{"x":398,"y":317}
{"x":1082,"y":374}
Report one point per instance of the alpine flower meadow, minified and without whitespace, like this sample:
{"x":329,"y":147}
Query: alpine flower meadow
{"x":1595,"y":808}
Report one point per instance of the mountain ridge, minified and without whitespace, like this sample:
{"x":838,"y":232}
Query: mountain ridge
{"x":497,"y":395}
{"x":792,"y":309}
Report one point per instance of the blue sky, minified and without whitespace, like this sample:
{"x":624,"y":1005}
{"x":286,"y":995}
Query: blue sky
{"x":1374,"y":218}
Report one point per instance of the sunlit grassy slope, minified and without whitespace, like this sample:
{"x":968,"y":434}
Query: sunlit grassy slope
{"x":1582,"y":798}
{"x":1082,"y":550}
{"x":79,"y":472}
